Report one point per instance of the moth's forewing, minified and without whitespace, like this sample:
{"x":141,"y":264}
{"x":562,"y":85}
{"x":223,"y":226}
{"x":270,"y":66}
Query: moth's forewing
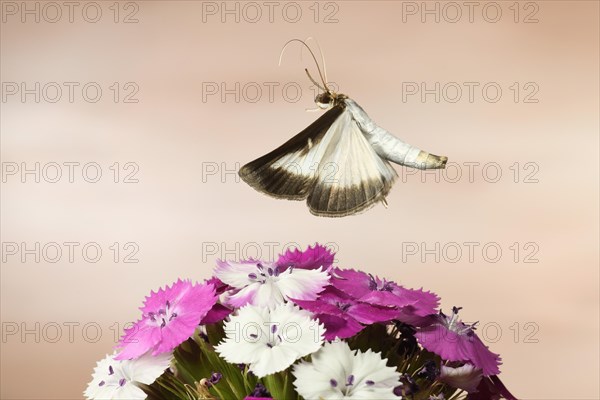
{"x":286,"y":172}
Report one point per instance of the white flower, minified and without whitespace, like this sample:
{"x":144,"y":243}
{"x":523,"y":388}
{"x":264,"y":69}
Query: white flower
{"x":268,"y":285}
{"x":270,"y":340}
{"x":466,"y":377}
{"x":116,"y":379}
{"x":337,"y":372}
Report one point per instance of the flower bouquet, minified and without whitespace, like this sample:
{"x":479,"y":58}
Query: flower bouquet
{"x":297,"y":328}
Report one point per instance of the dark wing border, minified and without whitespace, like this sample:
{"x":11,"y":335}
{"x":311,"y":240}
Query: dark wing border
{"x":351,"y":201}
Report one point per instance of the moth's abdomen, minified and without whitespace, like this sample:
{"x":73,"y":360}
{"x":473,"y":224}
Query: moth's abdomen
{"x":390,"y":147}
{"x":427,"y":160}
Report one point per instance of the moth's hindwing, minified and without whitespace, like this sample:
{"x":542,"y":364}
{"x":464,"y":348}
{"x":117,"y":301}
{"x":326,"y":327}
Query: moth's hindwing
{"x":351,"y":177}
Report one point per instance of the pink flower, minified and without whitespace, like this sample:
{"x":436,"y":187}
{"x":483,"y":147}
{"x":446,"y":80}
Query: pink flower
{"x":312,"y":258}
{"x":412,"y":305}
{"x":453,"y":340}
{"x":491,"y":388}
{"x":342,"y":315}
{"x":218,"y":312}
{"x":170,"y":316}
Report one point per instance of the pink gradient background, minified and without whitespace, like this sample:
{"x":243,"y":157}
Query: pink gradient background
{"x":173,"y":214}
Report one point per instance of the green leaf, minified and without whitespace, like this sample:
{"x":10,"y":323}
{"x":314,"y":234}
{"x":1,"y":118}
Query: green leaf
{"x":196,"y":359}
{"x":215,"y":333}
{"x":280,"y":385}
{"x":166,"y":387}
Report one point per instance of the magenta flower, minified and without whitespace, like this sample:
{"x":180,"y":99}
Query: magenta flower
{"x":312,"y":258}
{"x":412,"y":304}
{"x":342,"y":315}
{"x":170,"y":316}
{"x":218,"y":312}
{"x":453,"y":340}
{"x":491,"y":388}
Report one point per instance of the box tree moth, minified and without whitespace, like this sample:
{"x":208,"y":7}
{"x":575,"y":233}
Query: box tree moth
{"x":340,"y":163}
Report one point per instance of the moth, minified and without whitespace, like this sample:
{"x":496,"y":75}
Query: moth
{"x":340,"y":163}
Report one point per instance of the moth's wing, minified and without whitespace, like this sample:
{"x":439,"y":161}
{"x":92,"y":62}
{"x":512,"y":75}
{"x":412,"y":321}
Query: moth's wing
{"x":352,"y":177}
{"x":288,"y":172}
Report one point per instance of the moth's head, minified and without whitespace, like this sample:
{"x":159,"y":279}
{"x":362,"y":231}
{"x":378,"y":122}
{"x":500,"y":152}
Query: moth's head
{"x":325,"y":100}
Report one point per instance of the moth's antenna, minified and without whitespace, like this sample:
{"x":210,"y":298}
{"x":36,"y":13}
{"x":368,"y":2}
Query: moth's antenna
{"x":313,"y":81}
{"x":322,"y":56}
{"x":317,"y":85}
{"x":314,"y":58}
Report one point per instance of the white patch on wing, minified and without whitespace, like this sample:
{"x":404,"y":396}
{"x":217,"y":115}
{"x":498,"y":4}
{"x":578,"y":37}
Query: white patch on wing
{"x":305,"y":163}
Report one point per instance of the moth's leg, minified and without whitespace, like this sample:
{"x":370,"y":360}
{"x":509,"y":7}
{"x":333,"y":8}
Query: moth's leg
{"x":390,"y":147}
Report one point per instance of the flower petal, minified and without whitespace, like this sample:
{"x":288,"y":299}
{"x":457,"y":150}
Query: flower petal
{"x":302,"y":284}
{"x":368,"y":314}
{"x":326,"y":376}
{"x":353,"y":283}
{"x":338,"y":327}
{"x":235,"y":274}
{"x":171,"y":315}
{"x":216,"y":314}
{"x":312,"y":258}
{"x":452,"y":346}
{"x":466,"y":377}
{"x":269,"y":340}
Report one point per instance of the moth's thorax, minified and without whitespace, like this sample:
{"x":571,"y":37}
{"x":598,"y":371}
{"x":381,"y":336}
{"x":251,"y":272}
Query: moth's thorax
{"x":328,"y":100}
